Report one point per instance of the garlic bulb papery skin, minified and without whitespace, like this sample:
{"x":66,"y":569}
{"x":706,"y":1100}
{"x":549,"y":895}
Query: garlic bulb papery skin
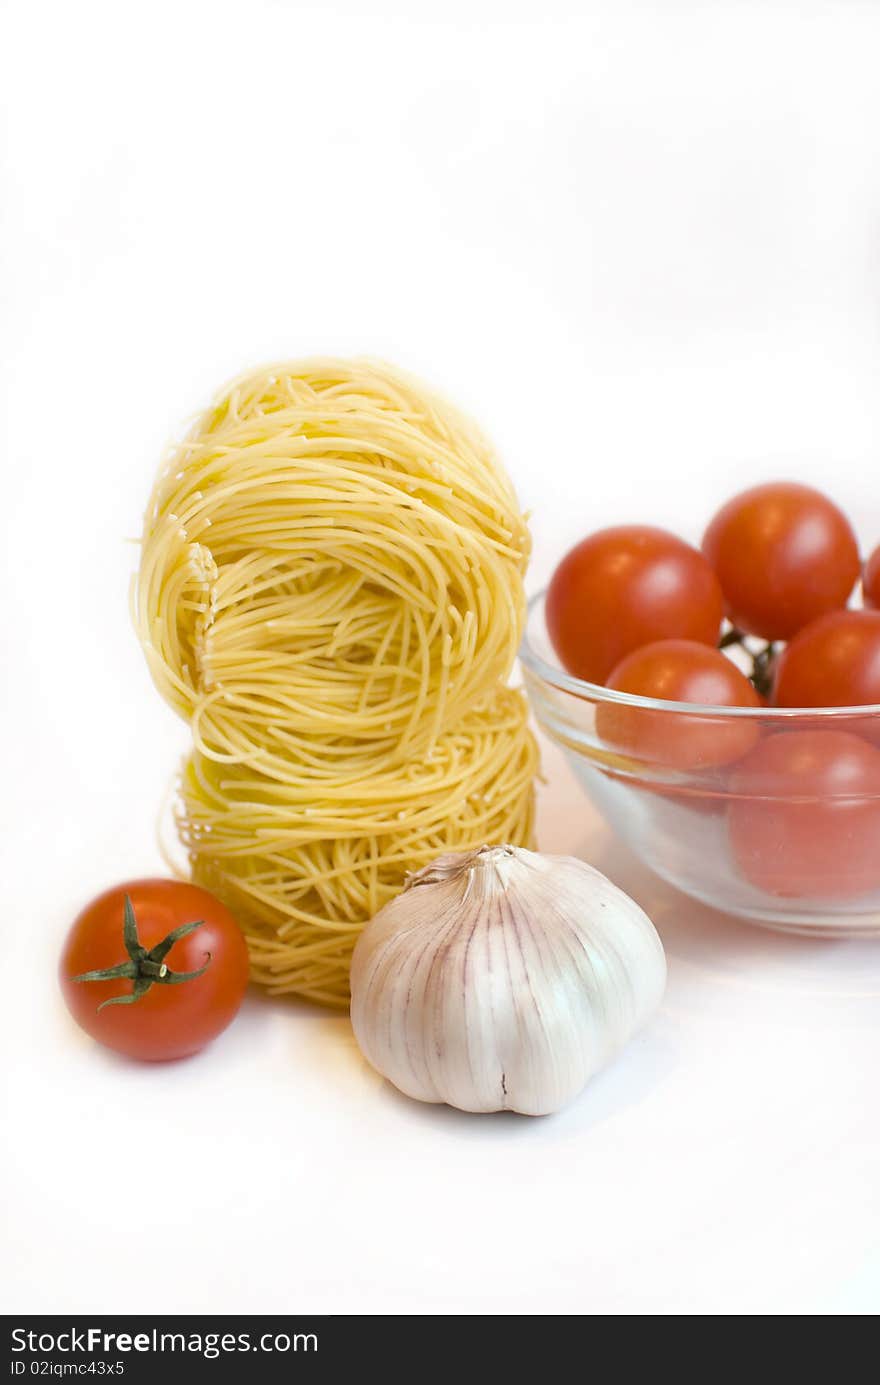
{"x":502,"y":980}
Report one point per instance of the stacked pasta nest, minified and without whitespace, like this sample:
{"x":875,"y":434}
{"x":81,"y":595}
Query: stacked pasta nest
{"x":330,"y":592}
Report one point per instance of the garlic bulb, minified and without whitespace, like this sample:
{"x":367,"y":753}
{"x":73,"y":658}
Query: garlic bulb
{"x":501,"y":979}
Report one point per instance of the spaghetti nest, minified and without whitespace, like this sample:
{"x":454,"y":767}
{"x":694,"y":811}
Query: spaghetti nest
{"x":330,"y":592}
{"x":332,"y":567}
{"x":305,"y":871}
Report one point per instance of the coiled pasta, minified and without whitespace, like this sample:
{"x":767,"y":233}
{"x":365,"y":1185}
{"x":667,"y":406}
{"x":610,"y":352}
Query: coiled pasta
{"x":330,"y":592}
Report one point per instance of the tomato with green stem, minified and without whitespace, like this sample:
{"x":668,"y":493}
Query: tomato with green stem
{"x":625,"y":587}
{"x":154,"y":969}
{"x":785,"y":555}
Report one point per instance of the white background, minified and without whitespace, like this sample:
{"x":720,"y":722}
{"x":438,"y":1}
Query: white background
{"x":642,"y":243}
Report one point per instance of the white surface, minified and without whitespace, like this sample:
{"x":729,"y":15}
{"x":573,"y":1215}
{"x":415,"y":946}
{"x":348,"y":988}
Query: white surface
{"x":641,"y":243}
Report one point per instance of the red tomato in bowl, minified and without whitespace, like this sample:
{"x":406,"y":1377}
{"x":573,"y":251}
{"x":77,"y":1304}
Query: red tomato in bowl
{"x":784,"y":554}
{"x":804,"y":819}
{"x":833,"y":662}
{"x":680,"y":671}
{"x":139,"y":1010}
{"x":625,"y":587}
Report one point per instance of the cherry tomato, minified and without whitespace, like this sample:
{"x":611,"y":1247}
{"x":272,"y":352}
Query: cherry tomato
{"x":804,"y":821}
{"x":784,"y":554}
{"x":833,"y":662}
{"x":625,"y":587}
{"x":178,"y":968}
{"x":871,"y":580}
{"x":679,"y":671}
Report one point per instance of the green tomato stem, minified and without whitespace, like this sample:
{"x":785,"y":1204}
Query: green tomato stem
{"x":761,"y":676}
{"x":145,"y":968}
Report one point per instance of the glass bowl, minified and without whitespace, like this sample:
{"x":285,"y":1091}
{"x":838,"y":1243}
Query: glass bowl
{"x":769,"y":814}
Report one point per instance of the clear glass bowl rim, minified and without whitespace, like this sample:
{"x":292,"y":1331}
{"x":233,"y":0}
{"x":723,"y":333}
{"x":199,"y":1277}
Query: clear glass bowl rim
{"x":556,"y":677}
